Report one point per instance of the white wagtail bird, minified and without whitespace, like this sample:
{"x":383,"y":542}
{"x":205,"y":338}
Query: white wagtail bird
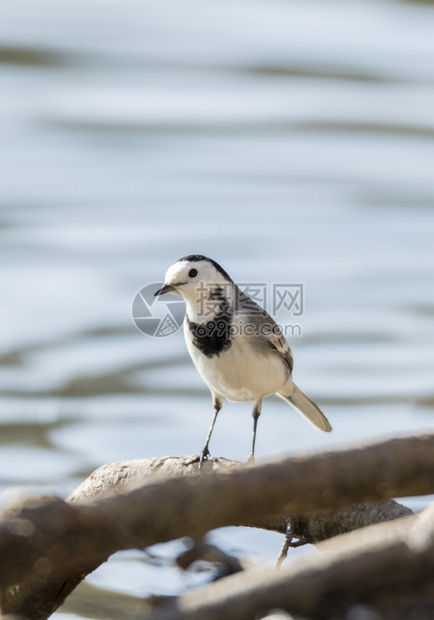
{"x":236,"y":346}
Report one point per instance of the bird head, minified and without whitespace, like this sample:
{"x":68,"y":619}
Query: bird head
{"x":194,"y":277}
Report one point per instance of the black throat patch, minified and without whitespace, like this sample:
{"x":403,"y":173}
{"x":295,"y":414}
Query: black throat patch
{"x":213,"y":336}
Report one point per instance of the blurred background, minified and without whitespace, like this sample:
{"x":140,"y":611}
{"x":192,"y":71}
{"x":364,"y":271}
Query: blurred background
{"x":291,"y":141}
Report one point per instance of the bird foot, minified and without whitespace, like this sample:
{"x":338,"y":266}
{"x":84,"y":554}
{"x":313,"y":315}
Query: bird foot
{"x":192,"y":461}
{"x":251,"y":460}
{"x":205,"y":456}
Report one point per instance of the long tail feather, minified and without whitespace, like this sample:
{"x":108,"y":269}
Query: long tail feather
{"x":308,"y":409}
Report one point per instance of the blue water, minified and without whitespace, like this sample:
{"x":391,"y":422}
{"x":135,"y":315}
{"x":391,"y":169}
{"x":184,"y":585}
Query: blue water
{"x":293,"y":142}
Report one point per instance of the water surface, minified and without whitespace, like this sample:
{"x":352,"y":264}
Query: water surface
{"x":290,"y":141}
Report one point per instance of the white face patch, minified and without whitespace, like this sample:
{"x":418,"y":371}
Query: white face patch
{"x":176,"y":273}
{"x":179,"y":273}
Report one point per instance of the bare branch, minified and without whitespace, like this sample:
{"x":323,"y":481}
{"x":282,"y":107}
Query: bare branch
{"x":48,"y":545}
{"x":381,"y":566}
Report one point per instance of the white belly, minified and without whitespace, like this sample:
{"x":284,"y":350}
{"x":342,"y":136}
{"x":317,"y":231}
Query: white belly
{"x":241,"y":373}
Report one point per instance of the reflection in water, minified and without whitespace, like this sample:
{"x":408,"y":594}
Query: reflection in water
{"x":291,"y":141}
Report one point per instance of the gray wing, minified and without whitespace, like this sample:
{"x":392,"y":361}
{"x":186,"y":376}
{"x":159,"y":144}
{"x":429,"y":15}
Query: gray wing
{"x":278,"y":344}
{"x":268,"y":335}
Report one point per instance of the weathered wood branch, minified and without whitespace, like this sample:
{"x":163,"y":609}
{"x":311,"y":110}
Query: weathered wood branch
{"x":382,"y":566}
{"x":47,"y":545}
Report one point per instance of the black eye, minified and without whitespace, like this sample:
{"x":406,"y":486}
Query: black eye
{"x":193,"y":273}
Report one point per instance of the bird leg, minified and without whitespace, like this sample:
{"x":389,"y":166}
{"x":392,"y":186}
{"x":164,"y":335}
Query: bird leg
{"x":205,"y":451}
{"x":255,"y":413}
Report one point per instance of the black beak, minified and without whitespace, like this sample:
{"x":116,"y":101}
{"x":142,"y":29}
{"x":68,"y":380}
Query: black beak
{"x":167,"y":288}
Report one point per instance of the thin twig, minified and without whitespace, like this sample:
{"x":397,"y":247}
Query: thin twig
{"x":287,"y":541}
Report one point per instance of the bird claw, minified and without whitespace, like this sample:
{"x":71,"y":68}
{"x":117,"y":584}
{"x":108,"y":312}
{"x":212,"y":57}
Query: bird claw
{"x":192,"y":461}
{"x":251,"y":460}
{"x":205,"y":456}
